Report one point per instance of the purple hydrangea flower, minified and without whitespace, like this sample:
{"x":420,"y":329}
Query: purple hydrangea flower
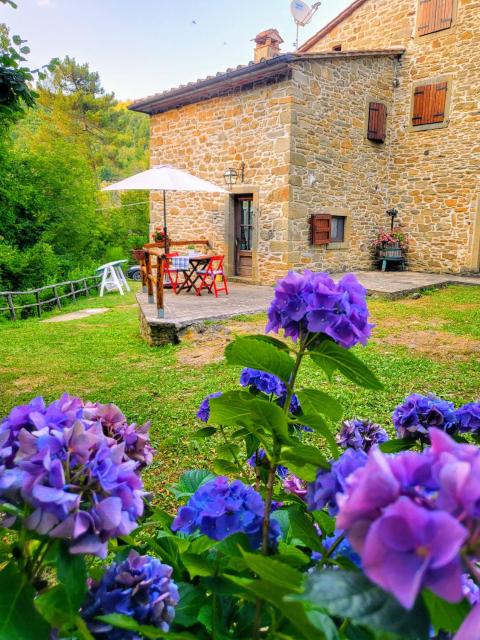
{"x":141,"y":587}
{"x":74,"y":481}
{"x":411,"y":516}
{"x":262,"y":381}
{"x":468,"y":417}
{"x":418,"y":413}
{"x":203,"y":412}
{"x":323,"y":492}
{"x":260,"y":458}
{"x":470,"y":589}
{"x":314,"y":303}
{"x":294,"y":485}
{"x":219,"y":509}
{"x":361,"y":434}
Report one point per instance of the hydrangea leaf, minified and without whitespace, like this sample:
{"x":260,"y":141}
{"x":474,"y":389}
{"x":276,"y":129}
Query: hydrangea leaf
{"x":314,"y":401}
{"x":190,"y":481}
{"x":318,"y":424}
{"x":351,"y":595}
{"x":274,"y":571}
{"x":325,"y":624}
{"x":152,"y":633}
{"x":205,"y":432}
{"x":72,"y":574}
{"x":283,"y":346}
{"x":325,"y":522}
{"x":190,"y":603}
{"x":444,"y":615}
{"x":250,"y":351}
{"x":394,"y":446}
{"x":197,"y":565}
{"x":19,"y":620}
{"x":292,"y":555}
{"x":303,"y":529}
{"x":225,"y":468}
{"x":304,"y":453}
{"x":331,"y":357}
{"x":242,"y":409}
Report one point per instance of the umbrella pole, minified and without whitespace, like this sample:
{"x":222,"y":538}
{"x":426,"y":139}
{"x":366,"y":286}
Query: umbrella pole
{"x":165,"y":219}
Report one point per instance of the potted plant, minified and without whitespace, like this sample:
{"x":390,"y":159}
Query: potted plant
{"x":390,"y":244}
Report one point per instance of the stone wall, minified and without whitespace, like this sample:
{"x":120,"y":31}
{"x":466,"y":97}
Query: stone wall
{"x":329,"y":142}
{"x":253,"y":126}
{"x":433,"y":174}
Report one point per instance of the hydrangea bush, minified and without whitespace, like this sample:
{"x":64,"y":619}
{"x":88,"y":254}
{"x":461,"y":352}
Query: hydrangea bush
{"x":310,"y":524}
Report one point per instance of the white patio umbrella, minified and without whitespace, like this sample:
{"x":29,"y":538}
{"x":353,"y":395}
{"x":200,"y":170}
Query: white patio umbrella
{"x":165,"y":178}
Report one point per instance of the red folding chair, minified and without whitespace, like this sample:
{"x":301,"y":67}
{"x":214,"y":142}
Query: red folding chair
{"x":211,"y":276}
{"x":171,"y":274}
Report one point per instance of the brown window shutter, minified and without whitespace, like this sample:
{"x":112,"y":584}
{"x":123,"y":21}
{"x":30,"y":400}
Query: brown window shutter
{"x":434,"y":15}
{"x":321,"y":228}
{"x":377,"y":122}
{"x":429,"y":102}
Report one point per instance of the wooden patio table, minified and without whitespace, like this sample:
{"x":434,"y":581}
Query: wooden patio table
{"x":192,"y":276}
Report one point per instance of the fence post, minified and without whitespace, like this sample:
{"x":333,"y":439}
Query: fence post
{"x":11,"y":306}
{"x":142,"y":263}
{"x":39,"y":306}
{"x":58,"y":302}
{"x":85,"y":287}
{"x":148,"y":265}
{"x":72,"y":291}
{"x":159,"y":287}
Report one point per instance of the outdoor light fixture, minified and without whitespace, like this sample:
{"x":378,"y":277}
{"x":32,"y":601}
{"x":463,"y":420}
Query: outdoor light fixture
{"x":393,"y":213}
{"x":231,"y":176}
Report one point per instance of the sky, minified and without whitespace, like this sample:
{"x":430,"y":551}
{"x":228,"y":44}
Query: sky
{"x":141,"y":47}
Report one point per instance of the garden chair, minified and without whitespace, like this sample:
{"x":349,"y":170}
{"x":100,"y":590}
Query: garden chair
{"x":212,"y":277}
{"x":172,"y":271}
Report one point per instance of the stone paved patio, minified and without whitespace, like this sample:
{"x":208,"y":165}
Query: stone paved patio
{"x":187,"y":309}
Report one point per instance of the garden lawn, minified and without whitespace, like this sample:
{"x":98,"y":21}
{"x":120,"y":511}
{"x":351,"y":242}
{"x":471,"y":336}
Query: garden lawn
{"x":429,"y":344}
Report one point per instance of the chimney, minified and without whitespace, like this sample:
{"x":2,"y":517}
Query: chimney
{"x":267,"y":45}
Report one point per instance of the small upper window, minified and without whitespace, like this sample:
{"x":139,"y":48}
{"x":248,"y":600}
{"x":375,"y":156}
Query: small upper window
{"x":434,"y":15}
{"x":377,"y":122}
{"x":338,"y":229}
{"x":429,"y":103}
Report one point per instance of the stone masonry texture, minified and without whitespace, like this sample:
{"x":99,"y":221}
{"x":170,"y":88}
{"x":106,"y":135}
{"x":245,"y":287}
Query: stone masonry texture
{"x":303,"y":140}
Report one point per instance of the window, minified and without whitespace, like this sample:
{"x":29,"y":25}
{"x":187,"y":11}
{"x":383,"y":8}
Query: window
{"x":337,"y":47}
{"x":338,"y":229}
{"x":429,"y":104}
{"x":320,"y":229}
{"x":377,"y":122}
{"x":434,"y":15}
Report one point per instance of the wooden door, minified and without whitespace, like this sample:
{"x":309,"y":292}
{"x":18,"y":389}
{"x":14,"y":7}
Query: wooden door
{"x":243,"y":235}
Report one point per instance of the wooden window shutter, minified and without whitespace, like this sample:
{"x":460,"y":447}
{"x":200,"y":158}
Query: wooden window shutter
{"x":377,"y":122}
{"x":429,"y":103}
{"x":434,"y":15}
{"x":321,"y":228}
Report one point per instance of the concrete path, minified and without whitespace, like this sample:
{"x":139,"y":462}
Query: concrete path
{"x":77,"y":315}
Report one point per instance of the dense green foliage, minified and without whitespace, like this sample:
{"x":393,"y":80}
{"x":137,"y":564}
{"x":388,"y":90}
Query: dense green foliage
{"x":58,"y":144}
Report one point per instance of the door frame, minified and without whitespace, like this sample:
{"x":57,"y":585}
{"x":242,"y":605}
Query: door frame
{"x":240,"y":190}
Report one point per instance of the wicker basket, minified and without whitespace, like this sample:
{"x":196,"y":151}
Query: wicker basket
{"x":391,"y":251}
{"x":138,"y":254}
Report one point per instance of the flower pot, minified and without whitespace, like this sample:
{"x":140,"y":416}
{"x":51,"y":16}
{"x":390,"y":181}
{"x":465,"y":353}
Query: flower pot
{"x":391,"y":251}
{"x":138,"y":254}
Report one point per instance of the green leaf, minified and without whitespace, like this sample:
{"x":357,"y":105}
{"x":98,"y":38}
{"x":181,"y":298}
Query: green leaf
{"x":318,"y":424}
{"x":291,"y":555}
{"x":303,"y":529}
{"x":197,"y":565}
{"x":72,"y":574}
{"x":394,"y":446}
{"x":191,"y":601}
{"x":351,"y":595}
{"x":323,"y":623}
{"x":205,"y":432}
{"x":250,"y":351}
{"x":325,"y":522}
{"x":330,"y":357}
{"x":444,"y":615}
{"x":307,"y":472}
{"x":54,"y":605}
{"x":242,"y":409}
{"x":314,"y":401}
{"x":274,"y":571}
{"x":228,"y":451}
{"x":19,"y":620}
{"x":225,"y":467}
{"x":129,"y":624}
{"x":283,"y":346}
{"x":304,"y":453}
{"x":190,"y":481}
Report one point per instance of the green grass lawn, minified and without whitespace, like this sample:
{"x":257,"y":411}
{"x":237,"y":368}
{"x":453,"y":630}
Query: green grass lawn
{"x":429,"y":344}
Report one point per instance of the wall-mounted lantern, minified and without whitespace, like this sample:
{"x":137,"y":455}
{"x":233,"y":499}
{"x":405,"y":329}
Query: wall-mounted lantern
{"x":230,"y":176}
{"x":393,"y":213}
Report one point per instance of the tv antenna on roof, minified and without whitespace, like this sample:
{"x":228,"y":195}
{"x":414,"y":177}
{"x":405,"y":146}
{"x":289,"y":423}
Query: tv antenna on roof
{"x":302,"y":14}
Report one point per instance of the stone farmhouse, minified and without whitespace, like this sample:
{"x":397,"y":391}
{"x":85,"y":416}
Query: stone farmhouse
{"x":380,"y":109}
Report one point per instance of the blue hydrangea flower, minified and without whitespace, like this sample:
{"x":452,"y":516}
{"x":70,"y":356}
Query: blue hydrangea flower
{"x":260,"y":458}
{"x":203,"y":412}
{"x":262,"y":381}
{"x":418,"y":413}
{"x":141,"y":588}
{"x":360,"y":434}
{"x":219,"y":509}
{"x":314,"y":303}
{"x":323,"y":491}
{"x":468,"y":417}
{"x":343,"y":550}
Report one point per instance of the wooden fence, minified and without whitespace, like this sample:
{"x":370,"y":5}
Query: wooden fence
{"x":70,"y":291}
{"x":152,"y":267}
